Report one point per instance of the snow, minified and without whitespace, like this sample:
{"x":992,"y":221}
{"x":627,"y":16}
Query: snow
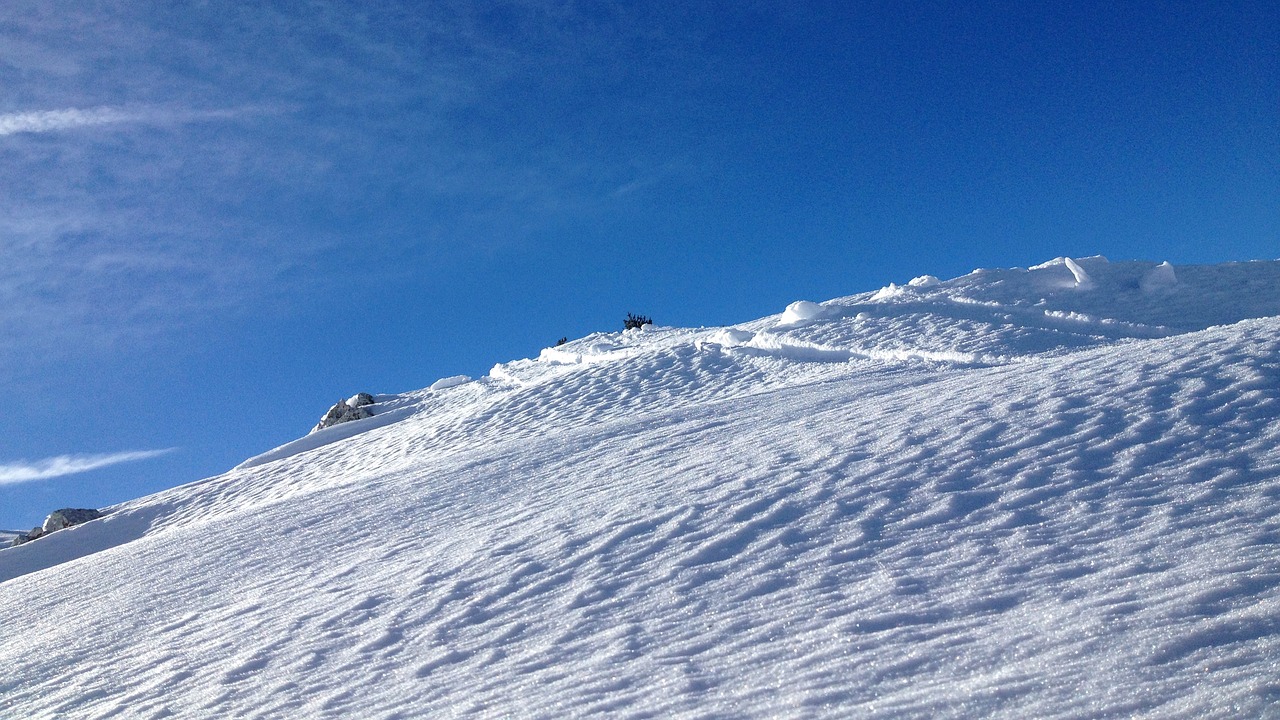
{"x":1082,"y":278}
{"x":801,"y":311}
{"x":391,"y":409}
{"x":448,"y":382}
{"x":1161,"y":278}
{"x":891,"y":290}
{"x":992,"y":496}
{"x":732,"y":337}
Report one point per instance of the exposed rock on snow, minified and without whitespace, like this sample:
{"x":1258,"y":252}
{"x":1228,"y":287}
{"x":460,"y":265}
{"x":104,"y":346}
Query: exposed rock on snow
{"x":27,"y":537}
{"x":66,"y":517}
{"x":353,"y":408}
{"x":58,"y":520}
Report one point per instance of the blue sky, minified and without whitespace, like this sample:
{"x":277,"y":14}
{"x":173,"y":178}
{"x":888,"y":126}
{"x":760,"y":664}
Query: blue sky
{"x":217,"y":219}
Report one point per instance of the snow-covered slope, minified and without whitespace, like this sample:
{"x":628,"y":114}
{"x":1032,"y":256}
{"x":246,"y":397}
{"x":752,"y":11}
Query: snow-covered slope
{"x":1051,"y":492}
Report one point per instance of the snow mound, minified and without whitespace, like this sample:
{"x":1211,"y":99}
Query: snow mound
{"x":731,"y":337}
{"x":1160,"y":278}
{"x":892,"y":290}
{"x":801,"y":311}
{"x":448,"y":382}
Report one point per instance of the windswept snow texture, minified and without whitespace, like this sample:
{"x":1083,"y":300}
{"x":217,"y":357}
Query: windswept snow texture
{"x":1011,"y":494}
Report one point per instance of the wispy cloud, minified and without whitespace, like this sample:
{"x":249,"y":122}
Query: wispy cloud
{"x":157,"y":177}
{"x":50,"y":120}
{"x":29,"y":471}
{"x":43,"y":121}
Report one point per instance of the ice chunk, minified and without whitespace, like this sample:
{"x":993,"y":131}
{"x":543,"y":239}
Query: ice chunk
{"x":1082,"y":278}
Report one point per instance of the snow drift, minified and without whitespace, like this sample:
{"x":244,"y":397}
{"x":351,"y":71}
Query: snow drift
{"x":1045,"y":492}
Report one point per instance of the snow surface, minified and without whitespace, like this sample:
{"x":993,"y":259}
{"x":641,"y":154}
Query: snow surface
{"x":1159,"y":278}
{"x":448,"y":382}
{"x":800,"y":311}
{"x":1011,"y":494}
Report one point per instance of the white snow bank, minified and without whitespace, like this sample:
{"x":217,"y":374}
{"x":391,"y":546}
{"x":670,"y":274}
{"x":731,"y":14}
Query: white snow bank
{"x":1061,"y":260}
{"x":558,"y":356}
{"x":1016,"y":541}
{"x":393,"y":408}
{"x":891,"y":290}
{"x":800,"y":351}
{"x":590,"y":354}
{"x":767,"y":531}
{"x":70,"y":544}
{"x":924,"y":281}
{"x":448,"y":382}
{"x":731,"y":337}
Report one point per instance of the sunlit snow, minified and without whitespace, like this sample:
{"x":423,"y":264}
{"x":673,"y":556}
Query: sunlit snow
{"x":1046,"y":492}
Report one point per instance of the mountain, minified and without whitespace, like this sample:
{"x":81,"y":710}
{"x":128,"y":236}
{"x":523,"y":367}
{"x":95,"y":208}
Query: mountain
{"x":1049,"y":492}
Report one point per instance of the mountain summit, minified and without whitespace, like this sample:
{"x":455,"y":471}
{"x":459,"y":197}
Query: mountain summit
{"x":1049,"y":492}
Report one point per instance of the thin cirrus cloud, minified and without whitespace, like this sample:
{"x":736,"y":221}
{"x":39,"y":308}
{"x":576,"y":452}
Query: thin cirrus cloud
{"x":51,"y":120}
{"x":21,"y":472}
{"x":43,"y":121}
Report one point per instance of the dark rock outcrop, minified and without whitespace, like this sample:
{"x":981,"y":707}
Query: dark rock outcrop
{"x":66,"y":517}
{"x":353,"y":408}
{"x":57,"y":520}
{"x":28,"y":537}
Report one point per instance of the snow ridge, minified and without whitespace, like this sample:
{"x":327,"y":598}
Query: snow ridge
{"x":1046,"y":492}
